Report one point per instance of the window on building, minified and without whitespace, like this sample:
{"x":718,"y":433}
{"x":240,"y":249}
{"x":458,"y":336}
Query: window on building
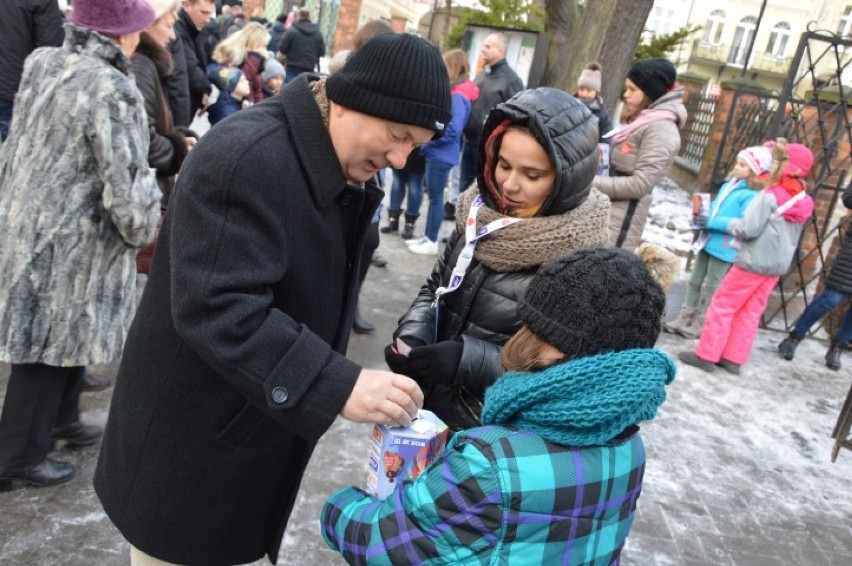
{"x":713,"y":27}
{"x":844,"y":29}
{"x":742,"y":41}
{"x":778,"y":39}
{"x":660,"y":21}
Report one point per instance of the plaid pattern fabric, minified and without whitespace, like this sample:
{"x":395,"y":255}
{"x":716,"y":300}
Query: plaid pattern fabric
{"x":497,"y":496}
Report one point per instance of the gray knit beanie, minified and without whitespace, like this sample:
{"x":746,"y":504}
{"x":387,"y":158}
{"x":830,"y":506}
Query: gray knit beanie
{"x":592,"y":301}
{"x":398,"y":77}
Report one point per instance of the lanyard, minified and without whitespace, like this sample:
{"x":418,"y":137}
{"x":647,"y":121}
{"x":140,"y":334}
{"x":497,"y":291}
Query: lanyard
{"x":472,"y":235}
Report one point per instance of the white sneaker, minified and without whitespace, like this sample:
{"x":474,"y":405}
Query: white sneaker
{"x":416,"y":241}
{"x":425,"y":248}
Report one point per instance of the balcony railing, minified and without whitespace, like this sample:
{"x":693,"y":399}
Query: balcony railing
{"x":722,"y":53}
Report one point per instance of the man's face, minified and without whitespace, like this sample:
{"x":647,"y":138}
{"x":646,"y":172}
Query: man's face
{"x":491,"y":51}
{"x":199,"y":11}
{"x":365,"y":144}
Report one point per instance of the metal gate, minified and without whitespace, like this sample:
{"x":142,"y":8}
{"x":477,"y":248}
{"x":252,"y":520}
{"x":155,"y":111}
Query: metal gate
{"x":813,"y":109}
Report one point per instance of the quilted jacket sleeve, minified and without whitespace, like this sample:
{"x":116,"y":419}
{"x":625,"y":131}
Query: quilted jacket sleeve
{"x":417,"y":325}
{"x":450,"y":513}
{"x":656,"y":146}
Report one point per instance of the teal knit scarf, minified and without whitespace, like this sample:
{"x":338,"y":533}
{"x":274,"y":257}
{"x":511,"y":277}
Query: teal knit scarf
{"x":583,"y":402}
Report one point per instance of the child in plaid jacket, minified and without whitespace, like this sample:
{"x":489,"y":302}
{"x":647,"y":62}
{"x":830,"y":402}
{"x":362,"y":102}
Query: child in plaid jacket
{"x":554,"y":475}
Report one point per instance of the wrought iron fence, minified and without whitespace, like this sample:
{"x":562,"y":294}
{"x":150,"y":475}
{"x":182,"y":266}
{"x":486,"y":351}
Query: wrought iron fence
{"x":701,"y":110}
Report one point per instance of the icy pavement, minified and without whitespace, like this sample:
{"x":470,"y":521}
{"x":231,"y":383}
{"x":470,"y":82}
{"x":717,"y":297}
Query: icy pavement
{"x":738,"y":474}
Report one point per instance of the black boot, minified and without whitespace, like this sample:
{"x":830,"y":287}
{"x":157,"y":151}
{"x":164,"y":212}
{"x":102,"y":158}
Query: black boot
{"x":393,"y":222}
{"x":361,"y":326}
{"x":788,"y":346}
{"x":832,"y":357}
{"x":449,"y":211}
{"x":408,"y":230}
{"x":50,"y":472}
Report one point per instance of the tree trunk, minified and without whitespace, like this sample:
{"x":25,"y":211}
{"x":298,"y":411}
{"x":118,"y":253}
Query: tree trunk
{"x":606,"y":31}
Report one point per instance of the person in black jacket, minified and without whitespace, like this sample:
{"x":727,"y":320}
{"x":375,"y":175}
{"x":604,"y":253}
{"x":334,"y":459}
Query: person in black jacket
{"x":24,"y":26}
{"x":169,"y":144}
{"x":302,"y":46}
{"x":589,"y":91}
{"x":235,"y":363}
{"x":497,"y":83}
{"x":533,"y":201}
{"x":838,"y":288}
{"x":191,"y":21}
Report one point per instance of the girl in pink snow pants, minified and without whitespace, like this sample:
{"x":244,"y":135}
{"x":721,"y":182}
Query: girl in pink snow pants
{"x":769,"y":233}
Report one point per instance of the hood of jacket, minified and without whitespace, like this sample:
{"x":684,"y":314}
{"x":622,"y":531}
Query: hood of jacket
{"x":567,"y":130}
{"x":306,"y":27}
{"x":673,"y":102}
{"x":799,"y":212}
{"x":467,"y":88}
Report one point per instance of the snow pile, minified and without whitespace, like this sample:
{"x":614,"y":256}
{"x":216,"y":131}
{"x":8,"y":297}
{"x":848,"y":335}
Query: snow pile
{"x":669,"y":218}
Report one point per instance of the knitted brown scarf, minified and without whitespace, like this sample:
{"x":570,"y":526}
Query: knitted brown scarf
{"x":535,"y":240}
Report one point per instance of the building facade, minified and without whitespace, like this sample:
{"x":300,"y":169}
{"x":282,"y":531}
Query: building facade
{"x":735,"y":41}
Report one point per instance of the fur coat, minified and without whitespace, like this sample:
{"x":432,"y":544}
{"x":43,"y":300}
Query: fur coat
{"x":77,"y":200}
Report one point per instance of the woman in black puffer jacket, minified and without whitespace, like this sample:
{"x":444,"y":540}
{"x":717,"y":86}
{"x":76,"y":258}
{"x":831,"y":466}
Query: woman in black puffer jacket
{"x":537,"y":160}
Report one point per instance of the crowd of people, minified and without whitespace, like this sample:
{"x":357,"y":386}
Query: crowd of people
{"x":233,"y":360}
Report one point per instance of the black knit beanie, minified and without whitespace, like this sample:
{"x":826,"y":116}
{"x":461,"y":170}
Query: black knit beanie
{"x":397,"y":77}
{"x":592,"y":301}
{"x":653,"y":76}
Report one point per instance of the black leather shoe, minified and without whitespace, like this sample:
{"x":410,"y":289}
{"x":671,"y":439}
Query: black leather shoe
{"x":78,"y":434}
{"x":48,"y":473}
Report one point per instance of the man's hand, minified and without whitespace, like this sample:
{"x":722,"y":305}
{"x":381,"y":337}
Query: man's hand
{"x":383,"y":397}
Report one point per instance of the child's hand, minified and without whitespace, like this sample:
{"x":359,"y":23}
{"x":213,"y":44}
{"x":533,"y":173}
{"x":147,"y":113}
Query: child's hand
{"x":245,"y":103}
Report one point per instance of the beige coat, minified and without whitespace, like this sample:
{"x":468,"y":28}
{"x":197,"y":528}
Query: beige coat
{"x":642,"y":159}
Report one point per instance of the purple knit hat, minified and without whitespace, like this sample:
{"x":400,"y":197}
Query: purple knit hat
{"x":112,"y":17}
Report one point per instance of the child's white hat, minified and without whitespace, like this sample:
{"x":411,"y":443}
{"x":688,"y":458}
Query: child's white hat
{"x":758,"y":158}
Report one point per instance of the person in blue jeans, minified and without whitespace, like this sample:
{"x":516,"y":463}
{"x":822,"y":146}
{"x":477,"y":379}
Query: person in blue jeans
{"x":409,"y":180}
{"x":838,"y":287}
{"x":443,"y":154}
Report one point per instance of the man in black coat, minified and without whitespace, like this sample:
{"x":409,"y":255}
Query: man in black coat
{"x":24,"y":26}
{"x":188,"y":29}
{"x":302,"y":46}
{"x":234,"y":365}
{"x":497,"y":83}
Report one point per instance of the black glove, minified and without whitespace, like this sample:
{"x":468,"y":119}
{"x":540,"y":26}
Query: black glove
{"x":700,"y":221}
{"x":437,"y":363}
{"x":396,"y":361}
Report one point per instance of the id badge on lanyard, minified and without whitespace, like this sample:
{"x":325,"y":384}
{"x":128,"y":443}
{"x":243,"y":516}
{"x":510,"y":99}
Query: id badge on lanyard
{"x":471,"y":235}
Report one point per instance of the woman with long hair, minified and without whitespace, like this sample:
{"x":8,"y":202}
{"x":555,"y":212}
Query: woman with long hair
{"x":643,"y":146}
{"x":246,"y":50}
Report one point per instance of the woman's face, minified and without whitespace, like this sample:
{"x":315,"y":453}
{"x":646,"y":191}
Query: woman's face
{"x":634,"y":98}
{"x":163,"y":30}
{"x":523,"y":173}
